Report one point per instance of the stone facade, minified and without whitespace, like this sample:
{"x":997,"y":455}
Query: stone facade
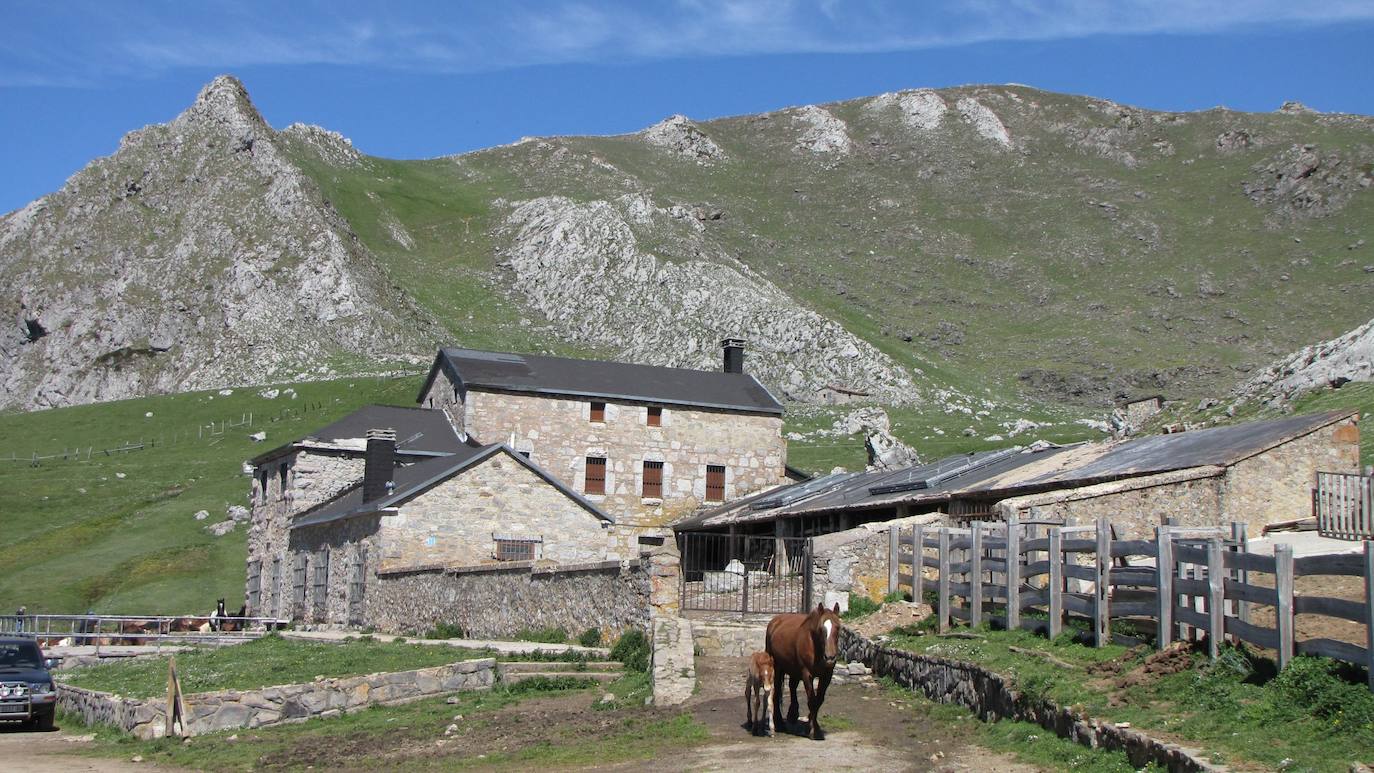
{"x":230,"y":709}
{"x":733,"y":640}
{"x":501,"y":601}
{"x":1273,"y":485}
{"x":454,"y":523}
{"x":856,"y":560}
{"x":559,"y":435}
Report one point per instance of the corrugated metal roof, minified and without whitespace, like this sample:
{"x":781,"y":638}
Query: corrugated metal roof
{"x":473,"y":369}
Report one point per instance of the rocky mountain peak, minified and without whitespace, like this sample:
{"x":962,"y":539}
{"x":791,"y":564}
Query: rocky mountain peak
{"x":223,"y":102}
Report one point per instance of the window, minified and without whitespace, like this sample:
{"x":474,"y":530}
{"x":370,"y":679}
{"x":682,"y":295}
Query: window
{"x":514,"y":549}
{"x":715,"y":483}
{"x":525,"y":454}
{"x":298,"y":587}
{"x":653,"y":480}
{"x":262,"y":484}
{"x":655,"y":416}
{"x":599,"y":412}
{"x":321,"y":597}
{"x":281,"y":474}
{"x":596,"y":475}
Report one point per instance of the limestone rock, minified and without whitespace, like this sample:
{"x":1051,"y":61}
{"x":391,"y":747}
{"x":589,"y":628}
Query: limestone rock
{"x":238,"y":513}
{"x":202,"y":515}
{"x":680,"y":135}
{"x":984,"y":121}
{"x":580,"y":264}
{"x":824,"y":133}
{"x":222,"y":528}
{"x":921,"y":109}
{"x":1349,"y":357}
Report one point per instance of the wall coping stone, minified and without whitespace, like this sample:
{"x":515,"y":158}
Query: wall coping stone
{"x":990,"y":696}
{"x":533,"y":567}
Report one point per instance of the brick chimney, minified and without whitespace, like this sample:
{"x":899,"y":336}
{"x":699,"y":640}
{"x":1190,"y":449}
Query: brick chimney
{"x":734,"y":354}
{"x":379,"y":464}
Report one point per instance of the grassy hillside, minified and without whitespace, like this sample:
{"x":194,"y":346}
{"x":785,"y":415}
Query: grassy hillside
{"x":117,"y":533}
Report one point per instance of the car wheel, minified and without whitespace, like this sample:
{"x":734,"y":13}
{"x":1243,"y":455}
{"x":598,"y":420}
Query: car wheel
{"x":43,"y":722}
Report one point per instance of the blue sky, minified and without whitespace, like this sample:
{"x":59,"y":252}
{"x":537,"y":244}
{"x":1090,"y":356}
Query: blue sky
{"x":422,"y":79}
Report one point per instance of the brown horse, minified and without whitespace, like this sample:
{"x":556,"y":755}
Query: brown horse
{"x":758,"y":699}
{"x":804,"y":647}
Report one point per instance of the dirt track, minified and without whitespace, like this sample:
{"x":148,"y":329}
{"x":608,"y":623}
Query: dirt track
{"x":22,"y":751}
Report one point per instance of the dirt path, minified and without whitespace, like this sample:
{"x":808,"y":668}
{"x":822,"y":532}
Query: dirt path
{"x":867,"y":730}
{"x":22,"y":751}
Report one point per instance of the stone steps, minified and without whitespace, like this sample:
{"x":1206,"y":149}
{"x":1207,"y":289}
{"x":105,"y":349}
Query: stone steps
{"x":605,"y":677}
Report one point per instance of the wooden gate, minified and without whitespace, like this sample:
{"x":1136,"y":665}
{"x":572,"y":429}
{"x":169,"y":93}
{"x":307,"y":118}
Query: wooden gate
{"x":1344,"y":505}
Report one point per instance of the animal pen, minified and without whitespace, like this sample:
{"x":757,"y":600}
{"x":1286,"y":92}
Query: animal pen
{"x":736,"y":573}
{"x":1185,"y":583}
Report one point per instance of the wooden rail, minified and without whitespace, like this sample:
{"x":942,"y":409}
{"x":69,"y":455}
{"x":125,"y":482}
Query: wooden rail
{"x":1344,"y":505}
{"x":1192,"y":583}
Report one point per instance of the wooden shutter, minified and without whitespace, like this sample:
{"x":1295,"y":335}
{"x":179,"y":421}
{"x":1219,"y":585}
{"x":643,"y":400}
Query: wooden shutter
{"x":599,"y":412}
{"x":655,"y":416}
{"x":254,"y":587}
{"x":276,"y":587}
{"x":653,"y":480}
{"x":298,"y":587}
{"x":715,"y":483}
{"x":356,"y":586}
{"x":321,"y":584}
{"x":596,"y":475}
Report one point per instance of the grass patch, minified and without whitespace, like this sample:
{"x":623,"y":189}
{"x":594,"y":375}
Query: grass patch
{"x":268,"y":661}
{"x":544,"y":636}
{"x":1229,"y":707}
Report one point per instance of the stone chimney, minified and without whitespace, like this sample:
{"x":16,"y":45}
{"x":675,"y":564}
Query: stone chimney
{"x":734,"y":354}
{"x":379,"y":464}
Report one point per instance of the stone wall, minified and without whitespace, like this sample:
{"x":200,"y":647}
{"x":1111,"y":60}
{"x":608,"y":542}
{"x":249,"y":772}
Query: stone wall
{"x":313,"y":476}
{"x":728,"y":639}
{"x":352,"y":549}
{"x":229,"y":709}
{"x":1277,"y":485}
{"x":559,"y":435}
{"x":454,"y":523}
{"x":856,"y":560}
{"x":503,"y":600}
{"x":992,"y":697}
{"x":1135,"y":506}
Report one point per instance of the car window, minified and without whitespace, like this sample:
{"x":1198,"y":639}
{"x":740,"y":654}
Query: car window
{"x":19,"y":655}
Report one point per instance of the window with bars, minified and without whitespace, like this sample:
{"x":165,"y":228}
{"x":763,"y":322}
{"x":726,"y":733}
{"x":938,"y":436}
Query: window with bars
{"x":596,"y":475}
{"x":653,"y":480}
{"x":515,"y":549}
{"x":298,"y":586}
{"x":598,"y":412}
{"x":321,"y":589}
{"x":715,"y":483}
{"x":654,"y":418}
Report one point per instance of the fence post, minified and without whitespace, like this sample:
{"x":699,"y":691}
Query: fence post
{"x":1164,"y":586}
{"x":1101,"y":625}
{"x":1056,"y":586}
{"x":944,"y":580}
{"x":1216,"y":598}
{"x":1013,"y":575}
{"x":1242,"y":576}
{"x":975,"y":575}
{"x":918,"y":536}
{"x":1283,"y":613}
{"x":1369,"y":609}
{"x":893,"y":556}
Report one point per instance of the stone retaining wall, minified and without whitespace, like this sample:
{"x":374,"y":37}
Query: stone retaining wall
{"x":991,"y":697}
{"x":228,"y":709}
{"x":501,"y":601}
{"x":733,"y":640}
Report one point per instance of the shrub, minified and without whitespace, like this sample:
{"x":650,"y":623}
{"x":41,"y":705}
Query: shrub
{"x":544,"y":636}
{"x":632,"y":649}
{"x":859,"y":606}
{"x":590,"y":638}
{"x":1314,"y":687}
{"x":444,"y":631}
{"x":896,"y":595}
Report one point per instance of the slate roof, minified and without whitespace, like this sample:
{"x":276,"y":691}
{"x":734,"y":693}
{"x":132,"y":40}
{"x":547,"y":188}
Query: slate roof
{"x":1009,"y":472}
{"x":416,"y":479}
{"x":419,"y":431}
{"x":472,"y":369}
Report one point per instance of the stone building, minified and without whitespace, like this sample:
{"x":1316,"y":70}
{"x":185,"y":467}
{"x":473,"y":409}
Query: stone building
{"x":1255,"y":473}
{"x":511,"y":461}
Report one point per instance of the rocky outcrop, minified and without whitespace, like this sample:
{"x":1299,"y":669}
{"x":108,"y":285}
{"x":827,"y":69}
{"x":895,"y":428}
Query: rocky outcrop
{"x":823,"y":133}
{"x":1304,"y":181}
{"x":581,"y":266}
{"x":984,"y":121}
{"x":1333,"y":363}
{"x":680,"y":135}
{"x":921,"y":109}
{"x":195,"y":256}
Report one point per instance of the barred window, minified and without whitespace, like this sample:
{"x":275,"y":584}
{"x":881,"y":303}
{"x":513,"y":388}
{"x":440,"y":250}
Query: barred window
{"x":514,"y":550}
{"x":715,"y":483}
{"x":653,"y":480}
{"x":596,"y":475}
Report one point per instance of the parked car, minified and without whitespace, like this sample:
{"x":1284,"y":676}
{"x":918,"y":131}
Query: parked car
{"x":27,"y":692}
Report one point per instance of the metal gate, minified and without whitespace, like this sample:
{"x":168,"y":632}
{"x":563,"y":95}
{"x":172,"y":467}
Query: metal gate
{"x":729,"y":573}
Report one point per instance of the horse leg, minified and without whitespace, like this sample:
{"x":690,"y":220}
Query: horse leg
{"x":812,"y":706}
{"x":750,"y":697}
{"x":792,"y":708}
{"x":777,"y":699}
{"x":822,"y":684}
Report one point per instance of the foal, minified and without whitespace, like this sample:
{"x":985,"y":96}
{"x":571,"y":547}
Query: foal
{"x":758,"y":689}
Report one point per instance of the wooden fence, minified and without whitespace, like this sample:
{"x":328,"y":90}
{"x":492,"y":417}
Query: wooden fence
{"x":1344,"y":505}
{"x":1186,"y":583}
